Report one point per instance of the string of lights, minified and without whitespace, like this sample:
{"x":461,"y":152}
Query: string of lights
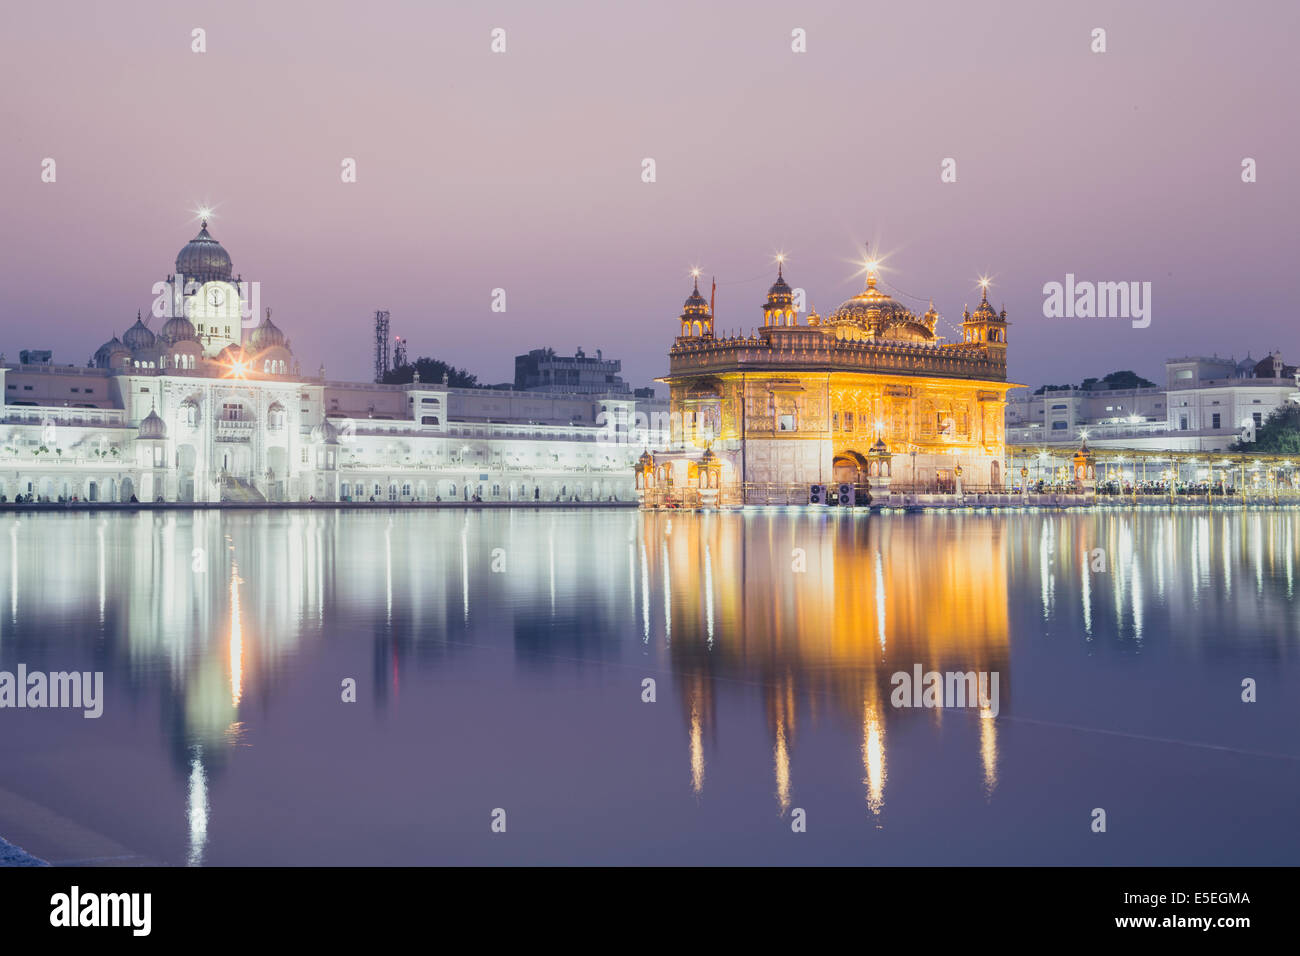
{"x":907,"y":295}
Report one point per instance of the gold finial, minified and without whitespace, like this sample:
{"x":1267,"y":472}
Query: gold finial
{"x":871,"y":264}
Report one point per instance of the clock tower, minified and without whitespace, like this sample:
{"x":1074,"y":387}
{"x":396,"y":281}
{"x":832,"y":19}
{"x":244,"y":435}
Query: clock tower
{"x":211,"y":297}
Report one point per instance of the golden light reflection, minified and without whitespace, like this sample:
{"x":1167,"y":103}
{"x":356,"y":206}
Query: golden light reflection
{"x":989,"y":750}
{"x":878,"y":596}
{"x":781,"y":766}
{"x":708,"y":592}
{"x":697,"y":749}
{"x":873,"y":756}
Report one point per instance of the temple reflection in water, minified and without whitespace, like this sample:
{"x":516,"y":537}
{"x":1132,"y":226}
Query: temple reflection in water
{"x":819,"y":612}
{"x":777,"y":625}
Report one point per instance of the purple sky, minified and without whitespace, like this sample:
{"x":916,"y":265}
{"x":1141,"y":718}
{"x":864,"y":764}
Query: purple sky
{"x":522,"y":170}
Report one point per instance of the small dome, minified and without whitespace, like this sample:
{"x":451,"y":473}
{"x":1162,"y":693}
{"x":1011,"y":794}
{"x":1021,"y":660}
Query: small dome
{"x":984,"y":311}
{"x":152,"y":427}
{"x":178,"y":329}
{"x":203,"y":258}
{"x":780,"y":293}
{"x":325,"y":433}
{"x":138,"y":336}
{"x":695,"y":303}
{"x":267,"y":335}
{"x":104,"y":354}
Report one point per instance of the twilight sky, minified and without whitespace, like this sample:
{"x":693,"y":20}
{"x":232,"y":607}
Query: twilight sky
{"x":523,"y":170}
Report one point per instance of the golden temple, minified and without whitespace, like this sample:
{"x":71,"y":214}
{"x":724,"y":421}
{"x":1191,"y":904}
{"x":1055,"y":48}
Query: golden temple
{"x":868,"y":396}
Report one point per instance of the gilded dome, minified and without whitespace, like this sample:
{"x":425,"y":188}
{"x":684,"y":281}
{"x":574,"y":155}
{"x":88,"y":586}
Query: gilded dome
{"x":780,"y":294}
{"x":696,"y":304}
{"x":984,"y":311}
{"x":881,"y":316}
{"x":203,"y":258}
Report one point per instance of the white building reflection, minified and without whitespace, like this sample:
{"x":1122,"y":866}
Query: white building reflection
{"x":211,"y":612}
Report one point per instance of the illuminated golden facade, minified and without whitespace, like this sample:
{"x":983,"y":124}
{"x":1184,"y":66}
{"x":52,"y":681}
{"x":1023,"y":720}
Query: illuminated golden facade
{"x":796,"y":404}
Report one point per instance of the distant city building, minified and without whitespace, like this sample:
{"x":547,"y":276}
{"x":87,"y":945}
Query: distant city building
{"x":541,"y":370}
{"x":36,"y":356}
{"x":1206,"y":404}
{"x":207,"y":408}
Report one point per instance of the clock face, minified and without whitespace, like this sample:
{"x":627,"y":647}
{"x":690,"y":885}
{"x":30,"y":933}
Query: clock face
{"x":216,"y":297}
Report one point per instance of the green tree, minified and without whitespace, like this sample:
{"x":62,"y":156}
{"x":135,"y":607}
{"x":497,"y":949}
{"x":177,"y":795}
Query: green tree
{"x":1278,"y":435}
{"x":1126,"y":379}
{"x":431,"y":372}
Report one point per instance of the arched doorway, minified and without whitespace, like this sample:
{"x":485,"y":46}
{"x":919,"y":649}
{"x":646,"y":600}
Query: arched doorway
{"x":850,"y":467}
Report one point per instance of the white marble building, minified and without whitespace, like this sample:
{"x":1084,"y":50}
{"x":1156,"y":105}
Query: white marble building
{"x":202,"y":405}
{"x":1207,"y":404}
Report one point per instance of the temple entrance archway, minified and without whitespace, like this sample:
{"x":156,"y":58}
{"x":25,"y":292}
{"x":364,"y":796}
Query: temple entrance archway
{"x":849,"y":467}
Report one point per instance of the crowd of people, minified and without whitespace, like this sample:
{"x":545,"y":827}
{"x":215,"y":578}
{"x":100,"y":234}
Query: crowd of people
{"x":1165,"y":488}
{"x":34,"y":499}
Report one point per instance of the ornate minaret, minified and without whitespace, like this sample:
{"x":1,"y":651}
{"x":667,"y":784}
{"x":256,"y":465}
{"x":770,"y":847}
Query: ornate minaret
{"x":696,"y":317}
{"x":779,"y":307}
{"x":984,"y":326}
